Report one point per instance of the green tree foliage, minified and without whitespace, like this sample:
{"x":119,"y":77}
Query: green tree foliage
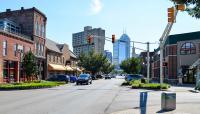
{"x":94,"y":62}
{"x":193,"y":6}
{"x":107,"y":67}
{"x":131,"y":66}
{"x":30,"y":65}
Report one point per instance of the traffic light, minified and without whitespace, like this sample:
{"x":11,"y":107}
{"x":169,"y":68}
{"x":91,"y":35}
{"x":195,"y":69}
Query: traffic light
{"x":164,"y":64}
{"x":113,"y":38}
{"x":89,"y":39}
{"x":171,"y":14}
{"x":180,"y":7}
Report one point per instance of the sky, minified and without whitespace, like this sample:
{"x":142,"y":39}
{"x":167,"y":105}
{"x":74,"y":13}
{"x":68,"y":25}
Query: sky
{"x":143,"y":20}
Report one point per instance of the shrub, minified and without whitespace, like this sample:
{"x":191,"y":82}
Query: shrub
{"x":32,"y":85}
{"x":143,"y":80}
{"x":137,"y":84}
{"x":125,"y":83}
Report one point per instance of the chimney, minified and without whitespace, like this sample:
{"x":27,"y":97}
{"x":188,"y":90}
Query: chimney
{"x":22,"y":8}
{"x":8,"y":10}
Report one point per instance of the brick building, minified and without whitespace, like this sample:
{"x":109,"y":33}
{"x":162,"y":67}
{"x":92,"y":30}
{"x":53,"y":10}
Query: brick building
{"x":143,"y":57}
{"x":57,"y":57}
{"x":180,"y":52}
{"x":21,"y":30}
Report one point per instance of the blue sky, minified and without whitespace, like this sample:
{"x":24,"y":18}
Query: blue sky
{"x":144,"y":21}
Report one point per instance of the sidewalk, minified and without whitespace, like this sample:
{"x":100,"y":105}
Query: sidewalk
{"x":187,"y":102}
{"x":180,"y":109}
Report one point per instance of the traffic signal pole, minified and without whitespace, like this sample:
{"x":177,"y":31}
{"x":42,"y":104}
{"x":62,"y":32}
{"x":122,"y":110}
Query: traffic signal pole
{"x":163,"y":40}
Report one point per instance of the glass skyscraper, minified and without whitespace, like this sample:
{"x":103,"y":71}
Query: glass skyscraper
{"x":121,"y":50}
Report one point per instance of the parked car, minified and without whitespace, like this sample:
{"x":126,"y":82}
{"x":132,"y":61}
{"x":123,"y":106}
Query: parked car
{"x":107,"y":77}
{"x":94,"y":77}
{"x":73,"y":79}
{"x":98,"y":76}
{"x":59,"y":77}
{"x":131,"y":77}
{"x":113,"y":76}
{"x":84,"y":78}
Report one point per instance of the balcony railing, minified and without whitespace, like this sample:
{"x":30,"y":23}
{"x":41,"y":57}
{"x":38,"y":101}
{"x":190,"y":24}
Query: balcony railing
{"x":22,"y":36}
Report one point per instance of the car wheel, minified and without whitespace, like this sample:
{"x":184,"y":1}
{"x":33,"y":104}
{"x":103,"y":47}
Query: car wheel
{"x":77,"y":83}
{"x":91,"y":82}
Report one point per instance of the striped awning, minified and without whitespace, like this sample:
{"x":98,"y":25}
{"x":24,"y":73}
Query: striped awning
{"x":77,"y":69}
{"x":68,"y":68}
{"x":56,"y":67}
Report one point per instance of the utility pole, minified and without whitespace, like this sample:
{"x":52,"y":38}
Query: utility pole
{"x":148,"y":63}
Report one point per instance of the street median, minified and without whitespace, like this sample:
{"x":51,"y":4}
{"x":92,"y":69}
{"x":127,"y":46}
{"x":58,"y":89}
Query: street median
{"x":30,"y":85}
{"x":138,"y":84}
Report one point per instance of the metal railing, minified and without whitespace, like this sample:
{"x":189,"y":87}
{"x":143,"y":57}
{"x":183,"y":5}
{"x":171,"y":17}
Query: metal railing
{"x":22,"y":36}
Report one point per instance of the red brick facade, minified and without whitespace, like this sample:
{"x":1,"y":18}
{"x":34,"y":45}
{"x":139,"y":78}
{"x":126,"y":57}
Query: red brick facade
{"x":10,"y":56}
{"x":33,"y":24}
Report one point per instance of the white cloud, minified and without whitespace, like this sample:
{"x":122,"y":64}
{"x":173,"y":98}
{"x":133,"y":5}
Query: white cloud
{"x":96,"y":6}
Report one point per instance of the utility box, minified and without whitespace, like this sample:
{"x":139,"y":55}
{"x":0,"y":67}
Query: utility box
{"x":168,"y":101}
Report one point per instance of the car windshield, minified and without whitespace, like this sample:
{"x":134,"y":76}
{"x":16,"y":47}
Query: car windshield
{"x":83,"y":76}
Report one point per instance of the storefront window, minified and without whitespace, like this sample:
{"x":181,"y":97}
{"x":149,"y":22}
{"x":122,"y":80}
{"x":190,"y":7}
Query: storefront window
{"x":188,"y":48}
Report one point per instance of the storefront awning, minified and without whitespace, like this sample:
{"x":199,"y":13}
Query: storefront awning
{"x":77,"y":69}
{"x":68,"y":68}
{"x":56,"y":67}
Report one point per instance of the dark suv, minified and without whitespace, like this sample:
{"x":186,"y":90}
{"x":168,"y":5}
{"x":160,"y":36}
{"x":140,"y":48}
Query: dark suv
{"x":84,"y":78}
{"x":131,"y":77}
{"x":59,"y":77}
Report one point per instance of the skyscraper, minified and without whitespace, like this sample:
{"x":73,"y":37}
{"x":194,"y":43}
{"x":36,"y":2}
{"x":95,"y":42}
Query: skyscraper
{"x":121,"y":50}
{"x":80,"y":44}
{"x":108,"y":54}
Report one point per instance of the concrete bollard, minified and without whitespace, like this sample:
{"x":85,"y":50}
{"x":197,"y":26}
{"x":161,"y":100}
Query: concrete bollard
{"x":168,"y":101}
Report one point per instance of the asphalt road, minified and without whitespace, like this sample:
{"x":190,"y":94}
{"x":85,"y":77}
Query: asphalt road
{"x":102,"y":97}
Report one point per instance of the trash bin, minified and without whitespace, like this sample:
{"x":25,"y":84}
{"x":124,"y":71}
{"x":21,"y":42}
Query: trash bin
{"x":168,"y":101}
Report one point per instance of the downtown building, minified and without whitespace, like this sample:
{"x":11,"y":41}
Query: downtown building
{"x":108,"y":55}
{"x":59,"y":59}
{"x":80,"y":42}
{"x":181,"y":51}
{"x":121,"y":50}
{"x":21,"y":31}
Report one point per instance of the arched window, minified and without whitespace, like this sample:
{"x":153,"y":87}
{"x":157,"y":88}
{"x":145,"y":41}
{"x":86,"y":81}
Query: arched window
{"x":188,"y":48}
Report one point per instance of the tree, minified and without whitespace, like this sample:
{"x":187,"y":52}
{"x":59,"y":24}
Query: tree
{"x":193,"y":6}
{"x":30,"y":65}
{"x":131,"y":66}
{"x":92,"y":62}
{"x":107,"y":67}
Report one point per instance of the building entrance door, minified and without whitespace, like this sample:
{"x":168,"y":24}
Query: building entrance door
{"x":188,"y":75}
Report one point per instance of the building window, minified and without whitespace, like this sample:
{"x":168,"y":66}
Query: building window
{"x":49,"y":58}
{"x":15,"y":49}
{"x":188,"y":48}
{"x":42,"y":50}
{"x":63,"y":60}
{"x":4,"y":48}
{"x":53,"y":58}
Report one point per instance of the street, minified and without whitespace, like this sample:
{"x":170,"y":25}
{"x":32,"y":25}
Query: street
{"x":102,"y":97}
